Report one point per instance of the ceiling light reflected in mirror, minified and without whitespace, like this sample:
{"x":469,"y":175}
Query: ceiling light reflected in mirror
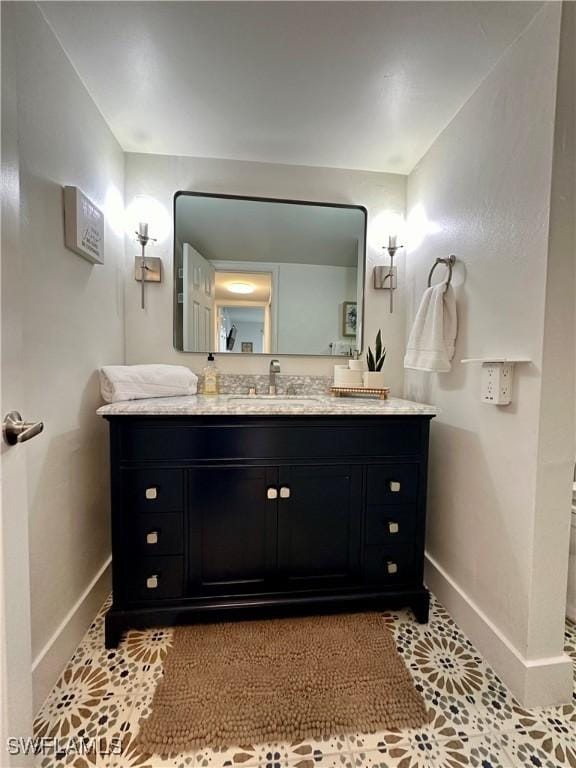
{"x":243,"y":288}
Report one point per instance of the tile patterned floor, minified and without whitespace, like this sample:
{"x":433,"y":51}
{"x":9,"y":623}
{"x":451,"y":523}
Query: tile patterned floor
{"x":475,"y":721}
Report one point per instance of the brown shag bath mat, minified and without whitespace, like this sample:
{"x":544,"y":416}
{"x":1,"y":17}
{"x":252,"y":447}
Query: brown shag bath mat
{"x":280,"y":680}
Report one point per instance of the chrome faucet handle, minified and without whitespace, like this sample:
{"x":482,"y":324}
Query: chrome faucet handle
{"x":251,"y":391}
{"x":273,"y":370}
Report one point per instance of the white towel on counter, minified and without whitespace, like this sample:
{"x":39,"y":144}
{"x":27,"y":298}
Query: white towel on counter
{"x":431,"y":343}
{"x":137,"y":382}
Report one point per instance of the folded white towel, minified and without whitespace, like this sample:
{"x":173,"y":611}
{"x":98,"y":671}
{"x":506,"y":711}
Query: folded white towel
{"x":431,"y":343}
{"x":137,"y":382}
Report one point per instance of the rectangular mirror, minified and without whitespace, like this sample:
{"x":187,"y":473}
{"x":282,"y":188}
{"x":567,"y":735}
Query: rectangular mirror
{"x":263,"y":276}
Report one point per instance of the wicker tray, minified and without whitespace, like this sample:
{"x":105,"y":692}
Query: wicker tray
{"x":361,"y":391}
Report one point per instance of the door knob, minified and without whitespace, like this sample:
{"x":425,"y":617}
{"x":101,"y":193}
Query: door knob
{"x":284,"y":492}
{"x":272,"y":493}
{"x":395,"y":486}
{"x":15,"y":430}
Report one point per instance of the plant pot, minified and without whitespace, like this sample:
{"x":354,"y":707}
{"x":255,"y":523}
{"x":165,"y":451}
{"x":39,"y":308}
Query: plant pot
{"x":344,"y":377}
{"x":374,"y":379}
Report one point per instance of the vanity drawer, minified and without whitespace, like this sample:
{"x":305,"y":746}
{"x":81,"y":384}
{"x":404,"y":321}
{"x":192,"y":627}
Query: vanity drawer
{"x":389,"y":565}
{"x":156,"y":578}
{"x":153,"y":490}
{"x":390,"y":524}
{"x":392,"y":483}
{"x":158,"y":533}
{"x":288,"y":438}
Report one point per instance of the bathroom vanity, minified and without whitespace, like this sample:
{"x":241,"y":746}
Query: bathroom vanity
{"x":231,"y":507}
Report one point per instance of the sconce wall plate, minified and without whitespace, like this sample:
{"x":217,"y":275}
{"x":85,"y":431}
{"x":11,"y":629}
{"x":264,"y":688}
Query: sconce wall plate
{"x":385,"y":277}
{"x":153,"y":271}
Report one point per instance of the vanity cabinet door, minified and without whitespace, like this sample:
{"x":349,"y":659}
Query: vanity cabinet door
{"x":319,"y":525}
{"x":231,"y":528}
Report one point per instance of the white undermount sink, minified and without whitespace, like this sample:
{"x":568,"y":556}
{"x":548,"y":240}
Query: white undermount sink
{"x":280,"y":400}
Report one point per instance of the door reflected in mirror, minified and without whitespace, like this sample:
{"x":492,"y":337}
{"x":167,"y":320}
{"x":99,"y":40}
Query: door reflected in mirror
{"x":259,"y":276}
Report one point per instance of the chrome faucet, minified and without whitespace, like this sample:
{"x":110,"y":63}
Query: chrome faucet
{"x":273,"y":370}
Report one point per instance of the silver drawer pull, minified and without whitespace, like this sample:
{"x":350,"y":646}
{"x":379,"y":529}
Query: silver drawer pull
{"x":393,"y":527}
{"x":152,"y":537}
{"x":284,"y":492}
{"x":272,"y":493}
{"x":391,"y":567}
{"x":152,"y":582}
{"x":152,"y":493}
{"x":395,"y":486}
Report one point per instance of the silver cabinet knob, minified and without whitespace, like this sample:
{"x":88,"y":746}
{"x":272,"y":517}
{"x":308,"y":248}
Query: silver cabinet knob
{"x":152,"y":493}
{"x":393,"y":527}
{"x":394,"y":486}
{"x":272,"y":493}
{"x":15,"y":430}
{"x":152,"y":537}
{"x":284,"y":492}
{"x":391,"y":567}
{"x":152,"y":582}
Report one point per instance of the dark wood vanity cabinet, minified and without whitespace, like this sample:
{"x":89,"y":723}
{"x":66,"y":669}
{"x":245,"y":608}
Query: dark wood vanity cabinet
{"x":232,"y":517}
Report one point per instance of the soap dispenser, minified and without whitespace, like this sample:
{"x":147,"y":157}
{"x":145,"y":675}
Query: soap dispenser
{"x":211,"y":374}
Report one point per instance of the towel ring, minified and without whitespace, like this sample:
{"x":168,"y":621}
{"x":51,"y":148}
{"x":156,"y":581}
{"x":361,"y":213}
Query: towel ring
{"x":448,"y":263}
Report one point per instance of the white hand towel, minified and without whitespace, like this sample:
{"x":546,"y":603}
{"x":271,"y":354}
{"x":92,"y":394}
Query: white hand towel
{"x":431,"y":343}
{"x":137,"y":382}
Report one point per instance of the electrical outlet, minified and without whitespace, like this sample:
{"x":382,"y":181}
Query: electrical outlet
{"x":496,"y":377}
{"x":496,"y":386}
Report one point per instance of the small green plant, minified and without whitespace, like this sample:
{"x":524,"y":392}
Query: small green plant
{"x":376,"y":361}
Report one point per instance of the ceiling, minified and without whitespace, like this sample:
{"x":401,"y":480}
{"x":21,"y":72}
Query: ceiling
{"x":229,"y":229}
{"x":365,"y":85}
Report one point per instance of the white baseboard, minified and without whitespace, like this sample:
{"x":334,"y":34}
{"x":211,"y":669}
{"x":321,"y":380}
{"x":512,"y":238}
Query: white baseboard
{"x":571,"y":598}
{"x":571,"y":607}
{"x":52,"y":659}
{"x":534,"y":682}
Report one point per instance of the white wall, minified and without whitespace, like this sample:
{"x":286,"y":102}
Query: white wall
{"x":252,"y":332}
{"x":72,"y":316}
{"x":498,"y":475}
{"x":149,"y":333}
{"x":310,"y":299}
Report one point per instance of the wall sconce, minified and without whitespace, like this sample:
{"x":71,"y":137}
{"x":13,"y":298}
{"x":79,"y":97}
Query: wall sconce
{"x":385,"y":277}
{"x":146,"y":270}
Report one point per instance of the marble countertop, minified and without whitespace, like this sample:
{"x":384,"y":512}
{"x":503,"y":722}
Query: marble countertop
{"x":244,"y":405}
